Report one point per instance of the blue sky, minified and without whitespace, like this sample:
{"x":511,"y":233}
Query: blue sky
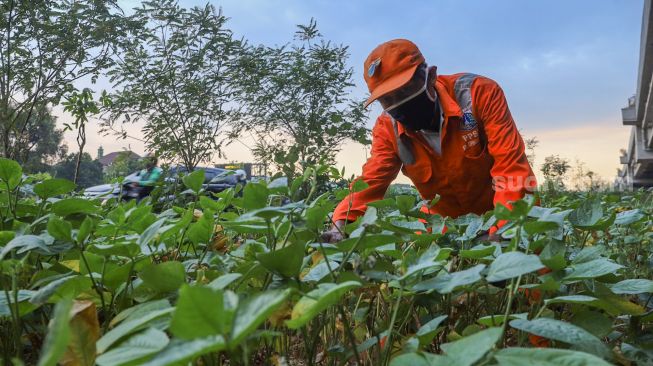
{"x":567,"y":67}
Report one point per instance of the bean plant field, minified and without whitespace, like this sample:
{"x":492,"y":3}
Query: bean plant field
{"x":243,"y":278}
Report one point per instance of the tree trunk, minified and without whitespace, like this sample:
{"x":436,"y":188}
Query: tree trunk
{"x":81,"y":141}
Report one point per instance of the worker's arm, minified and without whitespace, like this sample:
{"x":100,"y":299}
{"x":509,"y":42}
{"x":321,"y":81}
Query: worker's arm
{"x":511,"y":173}
{"x":378,"y":172}
{"x":151,"y":179}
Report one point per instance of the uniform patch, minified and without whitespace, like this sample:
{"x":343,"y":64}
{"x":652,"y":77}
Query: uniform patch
{"x":372,"y":69}
{"x":469,"y":123}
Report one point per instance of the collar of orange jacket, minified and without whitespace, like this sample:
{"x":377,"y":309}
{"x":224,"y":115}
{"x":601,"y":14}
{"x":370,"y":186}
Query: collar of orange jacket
{"x":449,"y":106}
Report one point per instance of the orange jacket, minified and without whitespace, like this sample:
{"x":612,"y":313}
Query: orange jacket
{"x":483,"y":158}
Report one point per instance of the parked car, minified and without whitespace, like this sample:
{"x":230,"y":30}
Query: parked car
{"x":215,"y":180}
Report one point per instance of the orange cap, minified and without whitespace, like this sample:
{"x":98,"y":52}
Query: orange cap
{"x":389,"y":66}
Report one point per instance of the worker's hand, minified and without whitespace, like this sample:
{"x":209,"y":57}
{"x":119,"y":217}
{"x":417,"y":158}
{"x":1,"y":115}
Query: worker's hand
{"x":336,"y":233}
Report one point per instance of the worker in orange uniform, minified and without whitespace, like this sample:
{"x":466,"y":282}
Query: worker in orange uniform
{"x":452,"y":135}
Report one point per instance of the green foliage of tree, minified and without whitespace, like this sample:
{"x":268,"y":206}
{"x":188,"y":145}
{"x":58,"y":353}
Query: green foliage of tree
{"x":81,"y":106}
{"x":176,"y":76}
{"x":298,"y":101}
{"x":45,"y":47}
{"x":555,"y":169}
{"x":41,"y":143}
{"x":531,"y":144}
{"x":124,"y":164}
{"x":90,"y":171}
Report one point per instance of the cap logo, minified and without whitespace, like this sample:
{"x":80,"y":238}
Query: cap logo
{"x":372,"y":69}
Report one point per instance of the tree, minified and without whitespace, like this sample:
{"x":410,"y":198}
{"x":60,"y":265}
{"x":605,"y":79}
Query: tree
{"x":45,"y":46}
{"x":90,"y":171}
{"x":41,"y":142}
{"x":81,"y":106}
{"x":176,"y":76}
{"x":124,"y":164}
{"x":579,"y":175}
{"x":554,"y":169}
{"x":298,"y":102}
{"x":531,"y":144}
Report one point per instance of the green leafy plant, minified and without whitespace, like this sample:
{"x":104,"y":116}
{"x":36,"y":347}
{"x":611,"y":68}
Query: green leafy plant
{"x":246,"y":279}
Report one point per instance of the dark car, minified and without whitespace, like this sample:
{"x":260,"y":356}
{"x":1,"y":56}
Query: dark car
{"x":215,"y":180}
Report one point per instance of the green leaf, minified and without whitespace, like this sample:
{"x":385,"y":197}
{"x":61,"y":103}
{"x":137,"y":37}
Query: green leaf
{"x":370,"y":217}
{"x":381,"y":204}
{"x":359,"y":185}
{"x":563,"y":332}
{"x":316,"y":215}
{"x":286,"y":262}
{"x":588,"y":214}
{"x":428,"y":331}
{"x":74,"y":205}
{"x":553,"y":255}
{"x":502,"y":212}
{"x":6,"y":237}
{"x":60,"y":229}
{"x":58,"y":335}
{"x":628,"y":217}
{"x":445,"y":283}
{"x":164,"y":277}
{"x":587,"y":254}
{"x":592,"y":269}
{"x":10,"y":172}
{"x":478,"y":252}
{"x":135,"y":349}
{"x":137,"y":311}
{"x":632,"y":287}
{"x":194,"y":180}
{"x":314,"y":302}
{"x":594,"y":322}
{"x":512,"y":264}
{"x":25,"y":243}
{"x":180,"y":352}
{"x":639,"y":355}
{"x":320,"y":271}
{"x":6,"y":302}
{"x":472,"y":228}
{"x":209,"y":204}
{"x":130,"y":326}
{"x":199,"y":313}
{"x":255,"y":196}
{"x":53,"y":187}
{"x":254,"y":311}
{"x":201,"y":232}
{"x":612,"y":306}
{"x":150,"y":233}
{"x":468,"y":350}
{"x":84,"y":230}
{"x":537,"y":227}
{"x":41,"y":296}
{"x":405,"y":203}
{"x":223,"y":281}
{"x":496,"y":320}
{"x":428,"y":260}
{"x":415,"y":359}
{"x":516,"y":356}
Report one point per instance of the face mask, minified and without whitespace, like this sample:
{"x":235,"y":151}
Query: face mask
{"x":418,"y":113}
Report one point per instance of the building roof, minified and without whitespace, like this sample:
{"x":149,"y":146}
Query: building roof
{"x":108,"y":159}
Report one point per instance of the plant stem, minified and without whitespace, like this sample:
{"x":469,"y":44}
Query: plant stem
{"x":388,"y":343}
